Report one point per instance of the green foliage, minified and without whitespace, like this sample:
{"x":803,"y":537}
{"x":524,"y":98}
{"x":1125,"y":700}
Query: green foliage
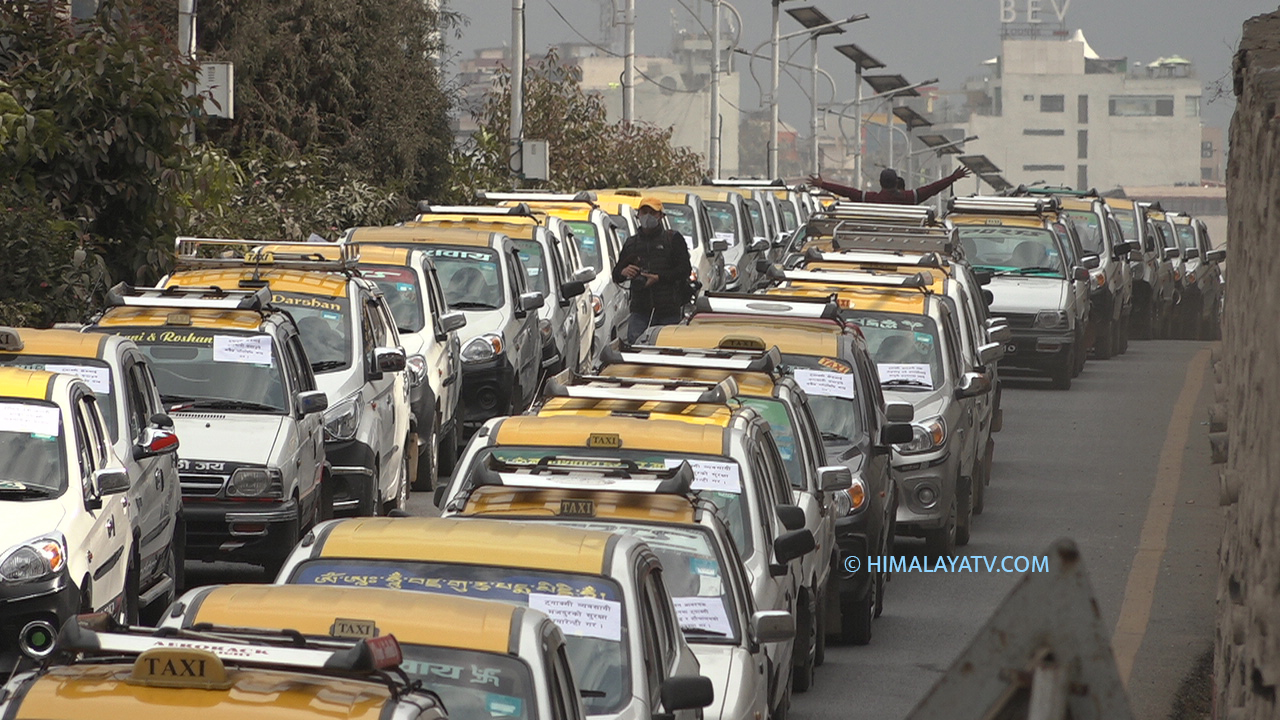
{"x":350,"y":84}
{"x":587,"y":151}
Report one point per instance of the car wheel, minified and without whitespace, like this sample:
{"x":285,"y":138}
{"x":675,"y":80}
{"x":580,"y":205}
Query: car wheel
{"x":964,"y":513}
{"x":428,"y":460}
{"x":1060,"y":377}
{"x":882,"y":581}
{"x":447,"y":457}
{"x":1104,"y":340}
{"x":805,"y":646}
{"x":941,"y":542}
{"x":369,"y":505}
{"x":128,"y":614}
{"x":820,"y":642}
{"x":401,"y":499}
{"x":856,"y":615}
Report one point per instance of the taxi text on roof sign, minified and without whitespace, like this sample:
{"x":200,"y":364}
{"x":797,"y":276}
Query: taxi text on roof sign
{"x":604,"y":440}
{"x":350,"y":628}
{"x":180,"y":668}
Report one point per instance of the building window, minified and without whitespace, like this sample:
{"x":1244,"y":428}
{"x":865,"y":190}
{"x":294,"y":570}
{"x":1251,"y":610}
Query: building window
{"x":1206,"y":173}
{"x":1044,"y":168}
{"x":1141,"y":105}
{"x":1052,"y":103}
{"x":1082,"y":177}
{"x":1028,"y":98}
{"x":1082,"y":109}
{"x":1206,"y":148}
{"x":1082,"y":144}
{"x":1044,"y":131}
{"x":1193,"y":106}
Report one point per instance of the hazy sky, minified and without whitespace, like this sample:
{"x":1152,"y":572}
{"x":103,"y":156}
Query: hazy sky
{"x":947,"y":39}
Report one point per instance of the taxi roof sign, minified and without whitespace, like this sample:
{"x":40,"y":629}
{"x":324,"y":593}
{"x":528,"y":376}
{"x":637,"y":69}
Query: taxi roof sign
{"x":173,"y":667}
{"x":193,"y":252}
{"x":10,"y":340}
{"x":585,"y":196}
{"x":674,"y":480}
{"x":751,"y":304}
{"x":181,"y":296}
{"x":1021,"y":205}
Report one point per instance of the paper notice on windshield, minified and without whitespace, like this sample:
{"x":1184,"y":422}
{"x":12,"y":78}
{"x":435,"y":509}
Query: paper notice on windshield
{"x":704,"y":613}
{"x":725,"y":477}
{"x":97,"y":378}
{"x":727,"y":237}
{"x":821,"y":382}
{"x":911,"y":372}
{"x":582,"y":616}
{"x":254,"y":349}
{"x":30,"y":419}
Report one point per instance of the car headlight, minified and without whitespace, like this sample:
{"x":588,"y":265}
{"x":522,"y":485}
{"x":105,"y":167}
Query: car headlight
{"x":693,"y":275}
{"x":342,"y":420}
{"x":34,"y":559}
{"x":926,"y":436}
{"x":1191,"y":276}
{"x":852,"y":500}
{"x":1101,"y":278}
{"x":731,"y":271}
{"x":417,"y":367}
{"x":544,"y":327}
{"x":1052,"y":319}
{"x":255,"y":482}
{"x":482,"y":348}
{"x":597,"y":304}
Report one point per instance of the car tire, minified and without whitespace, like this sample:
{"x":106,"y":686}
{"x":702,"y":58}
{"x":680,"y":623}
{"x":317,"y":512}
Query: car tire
{"x":428,"y":460}
{"x":820,"y":643}
{"x":856,"y":615}
{"x":447,"y":457}
{"x":326,"y":496}
{"x":983,"y":478}
{"x":964,"y":513}
{"x":401,"y":499}
{"x":941,"y":542}
{"x":783,"y":708}
{"x":1104,"y":340}
{"x":370,"y":504}
{"x":805,"y":646}
{"x":129,"y":602}
{"x":1060,"y":377}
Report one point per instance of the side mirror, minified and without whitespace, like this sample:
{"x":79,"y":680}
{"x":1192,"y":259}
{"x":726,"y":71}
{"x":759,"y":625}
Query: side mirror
{"x":530,"y":301}
{"x":791,"y":545}
{"x":1091,"y":261}
{"x":832,"y":478}
{"x":719,"y":245}
{"x":999,"y":333}
{"x":990,"y":353}
{"x":899,"y":412}
{"x":155,"y":441}
{"x":572,"y":289}
{"x":584,"y":275}
{"x":161,"y":420}
{"x":758,"y":245}
{"x":1191,"y":253}
{"x":312,"y":401}
{"x":686,"y":692}
{"x":1124,"y":248}
{"x":387,"y":360}
{"x":770,"y":626}
{"x":1214,"y":256}
{"x":983,"y":276}
{"x":895,"y":433}
{"x":973,"y":384}
{"x":437,"y":495}
{"x":452,"y":321}
{"x":111,"y":481}
{"x":791,"y":516}
{"x":1080,"y":274}
{"x":1171,"y":253}
{"x":987,"y":297}
{"x":779,"y":242}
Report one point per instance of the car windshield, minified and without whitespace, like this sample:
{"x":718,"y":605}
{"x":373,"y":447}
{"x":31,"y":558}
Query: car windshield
{"x":323,"y":325}
{"x":31,"y":445}
{"x":470,"y":276}
{"x":693,"y":573}
{"x":1089,"y":228}
{"x":399,"y":285}
{"x":535,"y":265}
{"x":1187,"y":237}
{"x":1128,"y":226}
{"x":726,"y":494}
{"x":681,"y":219}
{"x":587,"y":238}
{"x":829,"y":383}
{"x":1011,"y":250}
{"x":724,"y":222}
{"x":95,"y":373}
{"x":757,"y":218}
{"x":789,"y":220}
{"x":474,"y":685}
{"x":776,"y":413}
{"x":905,"y":348}
{"x":595,"y":648}
{"x":200,"y":368}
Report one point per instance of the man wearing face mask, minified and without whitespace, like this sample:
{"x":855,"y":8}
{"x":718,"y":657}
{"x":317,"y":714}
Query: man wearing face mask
{"x":654,"y":265}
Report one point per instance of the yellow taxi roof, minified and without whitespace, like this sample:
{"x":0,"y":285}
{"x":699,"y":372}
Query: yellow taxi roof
{"x":1071,"y":203}
{"x":1124,"y":203}
{"x":1036,"y":221}
{"x":1155,"y":214}
{"x":413,"y":617}
{"x":280,"y":280}
{"x":862,"y":298}
{"x":384,"y":255}
{"x":1179,"y":219}
{"x":25,"y":384}
{"x":570,"y":422}
{"x":572,"y":212}
{"x":707,"y":192}
{"x":751,"y":384}
{"x":244,"y":320}
{"x":514,"y":226}
{"x":679,"y":197}
{"x":428,"y":232}
{"x":470,"y":542}
{"x":491,"y":501}
{"x":60,"y":343}
{"x":793,"y":337}
{"x":96,"y":691}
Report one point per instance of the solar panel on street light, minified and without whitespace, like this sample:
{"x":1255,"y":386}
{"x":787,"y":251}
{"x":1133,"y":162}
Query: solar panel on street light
{"x":859,"y":56}
{"x":911,"y":118}
{"x":889,"y":83}
{"x":979,"y":164}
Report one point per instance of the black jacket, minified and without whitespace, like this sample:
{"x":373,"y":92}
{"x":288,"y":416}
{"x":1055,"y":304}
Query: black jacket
{"x":664,"y":254}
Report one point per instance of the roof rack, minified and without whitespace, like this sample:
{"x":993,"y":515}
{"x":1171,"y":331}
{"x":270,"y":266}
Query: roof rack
{"x":994,"y":204}
{"x":852,"y":234}
{"x":715,"y":358}
{"x":675,"y":480}
{"x":212,"y":298}
{"x":757,"y":183}
{"x":284,"y":255}
{"x":876,"y":257}
{"x":641,"y":389}
{"x":919,"y":281}
{"x":517,"y":210}
{"x":1058,"y":190}
{"x":916,"y":214}
{"x":528,"y":196}
{"x":796,"y":306}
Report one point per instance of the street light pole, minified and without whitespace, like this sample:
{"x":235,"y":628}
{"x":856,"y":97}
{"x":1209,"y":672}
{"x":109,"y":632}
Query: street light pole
{"x":772,"y":171}
{"x":857,"y":129}
{"x":814,"y":164}
{"x":713,"y":159}
{"x":517,"y":88}
{"x":629,"y":64}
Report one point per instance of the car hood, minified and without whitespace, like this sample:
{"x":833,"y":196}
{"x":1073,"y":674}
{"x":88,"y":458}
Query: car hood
{"x":928,"y":404}
{"x":480,"y":322}
{"x":1026,"y":294}
{"x":21,"y":521}
{"x":222,"y":436}
{"x":722,"y":665}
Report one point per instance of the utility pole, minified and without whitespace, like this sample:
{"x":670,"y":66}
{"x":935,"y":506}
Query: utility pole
{"x":187,"y":28}
{"x":629,"y":64}
{"x":772,"y":171}
{"x":814,"y":164}
{"x":857,"y":128}
{"x":517,"y":88}
{"x":713,"y":152}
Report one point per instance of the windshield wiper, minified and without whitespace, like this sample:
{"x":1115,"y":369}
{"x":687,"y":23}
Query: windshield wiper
{"x":833,"y":436}
{"x":903,"y":382}
{"x":225,"y":404}
{"x":701,"y":631}
{"x":466,"y":305}
{"x":327,"y":365}
{"x":1036,"y":269}
{"x":22,"y":490}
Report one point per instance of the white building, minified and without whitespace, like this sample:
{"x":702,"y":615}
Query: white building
{"x":1051,"y":110}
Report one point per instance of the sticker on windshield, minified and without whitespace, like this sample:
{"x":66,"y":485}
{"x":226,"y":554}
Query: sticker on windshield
{"x":910,"y":372}
{"x":503,"y":705}
{"x":703,"y":613}
{"x":33,"y":419}
{"x":252,"y":350}
{"x":97,"y":378}
{"x":330,"y":316}
{"x":727,"y":237}
{"x":723,"y":477}
{"x":821,"y":382}
{"x":924,"y":338}
{"x":584,"y":617}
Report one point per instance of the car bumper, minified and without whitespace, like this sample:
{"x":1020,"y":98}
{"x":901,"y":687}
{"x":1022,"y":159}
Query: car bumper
{"x":351,"y":474}
{"x":252,"y":532}
{"x":52,"y":601}
{"x":487,"y":390}
{"x":1040,"y":351}
{"x":936,"y":471}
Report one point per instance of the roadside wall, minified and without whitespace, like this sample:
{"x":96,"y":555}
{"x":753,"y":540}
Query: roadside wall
{"x":1247,"y":658}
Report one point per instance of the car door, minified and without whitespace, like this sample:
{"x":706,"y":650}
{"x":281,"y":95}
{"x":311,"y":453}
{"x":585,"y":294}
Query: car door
{"x":526,"y":343}
{"x":445,"y":358}
{"x":310,"y":427}
{"x":966,"y":415}
{"x":378,"y":400}
{"x":148,"y":497}
{"x":105,"y":534}
{"x":580,"y":305}
{"x":616,"y":298}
